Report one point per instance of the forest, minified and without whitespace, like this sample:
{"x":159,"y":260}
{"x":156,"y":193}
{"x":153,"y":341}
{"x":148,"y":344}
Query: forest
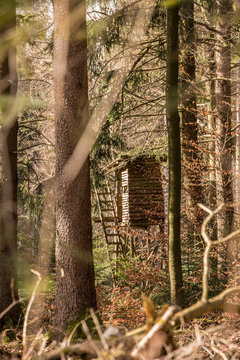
{"x":120,"y":179}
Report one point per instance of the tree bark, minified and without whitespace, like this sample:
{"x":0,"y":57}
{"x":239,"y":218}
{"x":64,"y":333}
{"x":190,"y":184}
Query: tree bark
{"x":8,"y":219}
{"x":192,"y":165}
{"x":212,"y":186}
{"x":74,"y":260}
{"x":174,"y":157}
{"x":224,"y":144}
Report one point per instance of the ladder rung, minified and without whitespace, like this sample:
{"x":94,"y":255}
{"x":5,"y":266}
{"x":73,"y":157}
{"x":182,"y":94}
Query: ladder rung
{"x":112,"y":234}
{"x":109,"y":218}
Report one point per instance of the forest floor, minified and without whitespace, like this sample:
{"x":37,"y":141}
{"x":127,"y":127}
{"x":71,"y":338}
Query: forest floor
{"x":213,"y":336}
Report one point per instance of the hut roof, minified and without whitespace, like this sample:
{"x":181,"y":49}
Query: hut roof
{"x":124,"y":159}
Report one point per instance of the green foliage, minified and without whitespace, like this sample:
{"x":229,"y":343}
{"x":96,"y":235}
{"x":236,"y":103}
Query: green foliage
{"x":171,"y":3}
{"x":159,"y":151}
{"x":23,"y":19}
{"x":7,"y":336}
{"x":77,"y":327}
{"x":21,"y":104}
{"x":108,"y":144}
{"x":30,"y":199}
{"x":102,"y":266}
{"x":48,"y":300}
{"x":105,"y":30}
{"x":159,"y":15}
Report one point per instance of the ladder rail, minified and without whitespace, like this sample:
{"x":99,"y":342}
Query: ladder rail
{"x":107,"y":209}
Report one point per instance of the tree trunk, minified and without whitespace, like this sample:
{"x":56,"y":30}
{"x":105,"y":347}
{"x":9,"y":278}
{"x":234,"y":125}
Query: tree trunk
{"x":192,"y":165}
{"x":174,"y":157}
{"x":223,"y":107}
{"x":8,"y":220}
{"x":212,"y":187}
{"x":74,"y":260}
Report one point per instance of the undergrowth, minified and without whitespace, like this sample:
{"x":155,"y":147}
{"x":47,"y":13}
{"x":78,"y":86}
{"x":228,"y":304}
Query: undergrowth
{"x":122,"y":304}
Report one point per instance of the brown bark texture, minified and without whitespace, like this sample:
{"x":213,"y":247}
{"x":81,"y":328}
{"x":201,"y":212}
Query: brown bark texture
{"x":75,"y":290}
{"x":8,"y":194}
{"x":224,"y":143}
{"x":174,"y":157}
{"x":191,"y":157}
{"x":212,"y":188}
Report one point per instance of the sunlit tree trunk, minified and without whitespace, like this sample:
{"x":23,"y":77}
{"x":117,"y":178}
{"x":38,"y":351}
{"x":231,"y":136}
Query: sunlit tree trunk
{"x":8,"y":220}
{"x":174,"y":157}
{"x":212,"y":187}
{"x":223,"y":107}
{"x":74,"y":260}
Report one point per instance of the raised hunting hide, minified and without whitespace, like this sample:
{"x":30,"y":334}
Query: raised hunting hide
{"x":140,"y":200}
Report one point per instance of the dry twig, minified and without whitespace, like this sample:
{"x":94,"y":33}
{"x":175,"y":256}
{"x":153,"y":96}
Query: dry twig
{"x":24,"y":341}
{"x":14,"y":301}
{"x":217,"y":302}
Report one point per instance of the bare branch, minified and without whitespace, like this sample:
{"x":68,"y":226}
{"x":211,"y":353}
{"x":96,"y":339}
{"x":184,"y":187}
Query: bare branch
{"x":199,"y":308}
{"x":90,"y":340}
{"x":209,"y":244}
{"x":4,"y":312}
{"x":28,"y":311}
{"x":84,"y":349}
{"x":219,"y":301}
{"x":14,"y":301}
{"x":99,"y":330}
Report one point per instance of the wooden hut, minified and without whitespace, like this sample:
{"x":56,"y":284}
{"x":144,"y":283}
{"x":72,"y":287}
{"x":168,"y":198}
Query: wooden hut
{"x":140,"y":200}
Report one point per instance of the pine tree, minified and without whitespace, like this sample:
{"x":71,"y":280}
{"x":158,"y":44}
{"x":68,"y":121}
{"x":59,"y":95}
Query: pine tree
{"x":75,"y":290}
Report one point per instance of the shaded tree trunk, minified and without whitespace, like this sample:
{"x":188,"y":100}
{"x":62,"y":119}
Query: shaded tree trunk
{"x":74,"y":260}
{"x":8,"y":220}
{"x":174,"y":157}
{"x":192,"y":165}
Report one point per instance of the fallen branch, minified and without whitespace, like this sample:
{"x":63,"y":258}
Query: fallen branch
{"x":200,"y":308}
{"x":77,"y":349}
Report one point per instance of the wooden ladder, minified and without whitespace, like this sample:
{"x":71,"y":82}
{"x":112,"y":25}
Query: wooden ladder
{"x":108,"y":217}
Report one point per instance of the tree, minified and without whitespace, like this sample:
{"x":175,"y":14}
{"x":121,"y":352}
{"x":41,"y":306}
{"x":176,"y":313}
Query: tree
{"x":212,"y":195}
{"x":174,"y":157}
{"x":75,"y":290}
{"x":8,"y":218}
{"x":192,"y":166}
{"x":223,"y":107}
